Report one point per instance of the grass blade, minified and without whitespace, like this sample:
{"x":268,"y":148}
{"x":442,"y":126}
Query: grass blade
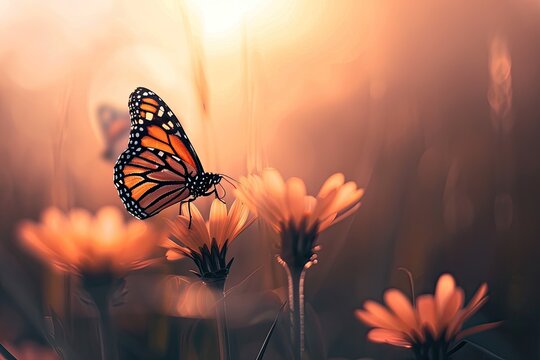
{"x":483,"y":349}
{"x":456,"y":348}
{"x":6,"y":354}
{"x":232,"y":288}
{"x":269,"y":335}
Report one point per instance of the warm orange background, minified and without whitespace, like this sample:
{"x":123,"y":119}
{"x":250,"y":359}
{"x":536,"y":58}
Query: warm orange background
{"x":432,"y":106}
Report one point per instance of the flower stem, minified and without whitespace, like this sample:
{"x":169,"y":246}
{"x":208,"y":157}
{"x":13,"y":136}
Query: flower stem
{"x":67,"y":302}
{"x":101,"y":288}
{"x":295,"y":279}
{"x":221,"y":319}
{"x":106,"y":333}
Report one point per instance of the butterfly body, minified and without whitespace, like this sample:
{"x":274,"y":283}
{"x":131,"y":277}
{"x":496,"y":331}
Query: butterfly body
{"x":160,"y":166}
{"x":202,"y":184}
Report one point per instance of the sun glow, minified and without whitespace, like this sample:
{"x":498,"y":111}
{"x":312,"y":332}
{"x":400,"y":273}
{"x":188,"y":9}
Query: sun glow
{"x":218,"y":18}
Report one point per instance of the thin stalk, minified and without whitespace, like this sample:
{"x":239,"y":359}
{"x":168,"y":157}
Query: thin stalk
{"x":6,"y":354}
{"x":234,"y":287}
{"x":67,"y":302}
{"x":295,"y":279}
{"x":107,"y":337}
{"x":101,"y":287}
{"x":221,"y":320}
{"x":411,"y":284}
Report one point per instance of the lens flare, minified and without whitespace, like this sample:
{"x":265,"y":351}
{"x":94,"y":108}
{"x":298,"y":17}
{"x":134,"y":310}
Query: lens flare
{"x":218,"y":18}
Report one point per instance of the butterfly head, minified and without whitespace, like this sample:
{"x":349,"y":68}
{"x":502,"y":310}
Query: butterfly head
{"x":214,"y":179}
{"x":203,"y":184}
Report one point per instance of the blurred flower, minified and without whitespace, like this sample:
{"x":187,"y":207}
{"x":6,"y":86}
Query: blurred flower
{"x":101,"y":249}
{"x":431,"y":325}
{"x":188,"y":298}
{"x":206,"y":243}
{"x":298,"y":217}
{"x":80,"y":243}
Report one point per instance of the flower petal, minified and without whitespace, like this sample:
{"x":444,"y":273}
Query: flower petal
{"x":427,"y":314}
{"x":173,"y":254}
{"x":386,"y":318}
{"x":238,"y":220}
{"x":450,"y":312}
{"x":391,"y":337}
{"x":217,"y":223}
{"x":333,"y":182}
{"x":369,"y":319}
{"x":476,"y":329}
{"x":296,"y":192}
{"x":275,"y":189}
{"x":348,"y":196}
{"x":478,"y":300}
{"x":401,"y":306}
{"x":444,"y":291}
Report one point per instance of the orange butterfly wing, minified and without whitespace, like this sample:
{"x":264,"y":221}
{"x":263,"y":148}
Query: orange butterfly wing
{"x":150,"y":175}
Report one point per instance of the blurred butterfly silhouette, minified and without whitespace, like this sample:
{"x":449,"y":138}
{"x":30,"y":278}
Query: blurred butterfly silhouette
{"x":160,"y":167}
{"x":114,"y":126}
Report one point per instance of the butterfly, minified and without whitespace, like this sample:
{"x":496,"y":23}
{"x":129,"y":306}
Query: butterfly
{"x":160,"y":167}
{"x":114,"y":126}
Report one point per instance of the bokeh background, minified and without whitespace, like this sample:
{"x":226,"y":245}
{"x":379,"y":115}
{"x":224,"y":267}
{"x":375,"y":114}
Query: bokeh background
{"x":431,"y":106}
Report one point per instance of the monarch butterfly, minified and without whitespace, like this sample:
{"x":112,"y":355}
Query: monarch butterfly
{"x":114,"y":126}
{"x":160,"y":167}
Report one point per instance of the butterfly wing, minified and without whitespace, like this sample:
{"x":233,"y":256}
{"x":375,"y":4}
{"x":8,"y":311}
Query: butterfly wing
{"x":114,"y":127}
{"x":150,"y":175}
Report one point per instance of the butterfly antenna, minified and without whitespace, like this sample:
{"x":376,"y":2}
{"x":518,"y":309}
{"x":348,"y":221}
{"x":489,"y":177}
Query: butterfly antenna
{"x":230,"y":177}
{"x":227,"y":177}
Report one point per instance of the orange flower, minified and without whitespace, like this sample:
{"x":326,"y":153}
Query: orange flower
{"x":278,"y":202}
{"x":296,"y":216}
{"x":435,"y":320}
{"x":206,"y":241}
{"x":79,"y":243}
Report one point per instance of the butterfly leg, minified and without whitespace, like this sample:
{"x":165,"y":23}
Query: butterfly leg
{"x":215,"y":192}
{"x":181,"y":205}
{"x":224,"y":193}
{"x":220,"y":198}
{"x":189,"y":210}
